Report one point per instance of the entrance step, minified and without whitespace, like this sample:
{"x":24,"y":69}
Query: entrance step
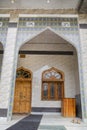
{"x":46,"y":113}
{"x":46,"y":109}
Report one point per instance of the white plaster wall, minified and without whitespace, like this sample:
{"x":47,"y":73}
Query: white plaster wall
{"x":57,"y":47}
{"x":37,"y":64}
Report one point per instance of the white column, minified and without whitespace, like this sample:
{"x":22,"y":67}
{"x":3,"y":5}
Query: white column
{"x":83,"y":36}
{"x":8,"y":67}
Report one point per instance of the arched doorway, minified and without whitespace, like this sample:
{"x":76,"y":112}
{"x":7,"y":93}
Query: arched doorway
{"x":45,"y":50}
{"x":52,"y":85}
{"x":34,"y":47}
{"x":23,"y":88}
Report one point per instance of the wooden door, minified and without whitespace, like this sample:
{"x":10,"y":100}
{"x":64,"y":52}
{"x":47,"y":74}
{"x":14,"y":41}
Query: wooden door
{"x":22,"y":96}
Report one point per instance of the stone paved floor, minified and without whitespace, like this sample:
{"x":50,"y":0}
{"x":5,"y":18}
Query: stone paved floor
{"x":4,"y":124}
{"x":54,"y":120}
{"x":47,"y":119}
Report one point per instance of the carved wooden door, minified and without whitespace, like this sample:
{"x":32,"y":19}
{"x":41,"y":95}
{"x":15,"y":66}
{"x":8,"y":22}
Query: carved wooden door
{"x":22,"y":96}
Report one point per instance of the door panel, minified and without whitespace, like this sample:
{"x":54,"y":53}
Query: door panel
{"x":22,"y":97}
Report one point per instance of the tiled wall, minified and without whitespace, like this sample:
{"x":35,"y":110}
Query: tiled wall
{"x":7,"y":72}
{"x":4,"y":21}
{"x":83,"y":37}
{"x":3,"y":29}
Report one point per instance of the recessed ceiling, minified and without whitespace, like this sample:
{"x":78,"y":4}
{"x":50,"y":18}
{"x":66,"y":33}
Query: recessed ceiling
{"x":47,"y":36}
{"x":39,"y":4}
{"x":47,"y":41}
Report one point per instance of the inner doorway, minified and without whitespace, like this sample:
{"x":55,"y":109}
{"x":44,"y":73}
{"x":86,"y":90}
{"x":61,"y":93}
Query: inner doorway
{"x":40,"y":55}
{"x":22,"y":95}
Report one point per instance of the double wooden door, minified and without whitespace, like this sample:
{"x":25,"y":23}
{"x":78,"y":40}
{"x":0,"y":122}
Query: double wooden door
{"x":52,"y":90}
{"x":22,"y":96}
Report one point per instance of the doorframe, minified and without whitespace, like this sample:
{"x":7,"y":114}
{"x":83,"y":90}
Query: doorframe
{"x":24,"y":79}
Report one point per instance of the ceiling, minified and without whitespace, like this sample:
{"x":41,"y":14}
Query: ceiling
{"x":48,"y":39}
{"x":40,"y":4}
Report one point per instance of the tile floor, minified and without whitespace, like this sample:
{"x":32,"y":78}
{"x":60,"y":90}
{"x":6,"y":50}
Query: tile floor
{"x":47,"y":119}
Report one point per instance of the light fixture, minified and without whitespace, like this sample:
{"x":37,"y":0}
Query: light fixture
{"x":12,"y":1}
{"x":48,"y":1}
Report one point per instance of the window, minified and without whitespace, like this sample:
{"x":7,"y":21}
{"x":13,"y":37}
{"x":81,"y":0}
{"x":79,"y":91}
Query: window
{"x":45,"y":90}
{"x":23,"y":73}
{"x":52,"y":84}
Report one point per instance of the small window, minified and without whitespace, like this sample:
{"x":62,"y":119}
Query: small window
{"x":52,"y":74}
{"x":22,"y":73}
